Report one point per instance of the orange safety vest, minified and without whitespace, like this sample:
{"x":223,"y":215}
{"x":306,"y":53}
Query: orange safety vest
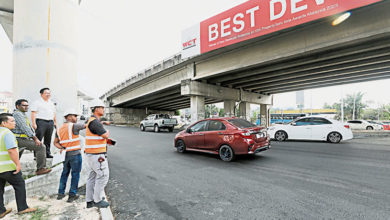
{"x":94,"y":144}
{"x":67,"y":139}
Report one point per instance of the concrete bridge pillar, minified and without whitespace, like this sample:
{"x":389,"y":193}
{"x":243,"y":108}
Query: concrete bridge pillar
{"x":264,"y":115}
{"x":228,"y":106}
{"x":197,"y":108}
{"x":245,"y":110}
{"x":45,"y":54}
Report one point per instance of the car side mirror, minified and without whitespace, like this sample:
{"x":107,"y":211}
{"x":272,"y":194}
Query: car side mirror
{"x":189,"y":130}
{"x":293,"y":124}
{"x":145,"y":119}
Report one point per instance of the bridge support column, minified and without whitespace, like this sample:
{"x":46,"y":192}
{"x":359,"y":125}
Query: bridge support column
{"x":228,"y":106}
{"x":197,"y":108}
{"x":264,"y":115}
{"x":45,"y":54}
{"x":245,"y":110}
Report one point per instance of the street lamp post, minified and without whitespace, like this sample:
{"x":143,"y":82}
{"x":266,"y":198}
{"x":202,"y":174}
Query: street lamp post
{"x":354,"y":106}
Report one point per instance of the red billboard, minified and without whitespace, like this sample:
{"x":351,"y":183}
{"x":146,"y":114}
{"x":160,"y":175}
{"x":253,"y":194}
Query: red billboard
{"x":256,"y":18}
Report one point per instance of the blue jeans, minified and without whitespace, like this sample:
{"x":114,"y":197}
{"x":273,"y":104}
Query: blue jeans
{"x":71,"y":164}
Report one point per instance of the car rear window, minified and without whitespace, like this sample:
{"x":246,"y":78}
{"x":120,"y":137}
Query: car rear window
{"x":241,"y":123}
{"x":164,"y":116}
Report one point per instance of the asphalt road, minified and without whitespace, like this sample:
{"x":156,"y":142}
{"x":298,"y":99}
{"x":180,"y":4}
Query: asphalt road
{"x":293,"y":180}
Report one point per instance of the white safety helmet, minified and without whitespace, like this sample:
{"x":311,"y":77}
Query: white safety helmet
{"x":97,"y":103}
{"x":70,"y":111}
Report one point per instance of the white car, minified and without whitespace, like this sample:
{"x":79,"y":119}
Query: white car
{"x":311,"y":128}
{"x":363,"y":125}
{"x":377,"y":125}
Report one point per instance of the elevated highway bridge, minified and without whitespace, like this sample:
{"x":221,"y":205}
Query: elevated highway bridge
{"x":311,"y":55}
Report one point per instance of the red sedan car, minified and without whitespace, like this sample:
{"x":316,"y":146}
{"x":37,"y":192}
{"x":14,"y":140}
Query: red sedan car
{"x":224,"y":136}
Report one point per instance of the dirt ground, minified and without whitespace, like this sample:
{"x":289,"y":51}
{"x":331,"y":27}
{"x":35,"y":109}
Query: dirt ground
{"x":49,"y":208}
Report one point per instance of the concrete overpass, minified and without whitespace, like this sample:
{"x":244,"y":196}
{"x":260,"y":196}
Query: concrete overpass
{"x":311,"y":55}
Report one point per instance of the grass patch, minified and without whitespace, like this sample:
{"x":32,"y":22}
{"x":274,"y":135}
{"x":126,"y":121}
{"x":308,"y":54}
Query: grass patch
{"x":40,"y":214}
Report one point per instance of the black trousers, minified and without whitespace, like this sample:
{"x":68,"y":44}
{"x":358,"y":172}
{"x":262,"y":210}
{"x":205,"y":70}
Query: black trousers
{"x":45,"y":130}
{"x":17,"y":182}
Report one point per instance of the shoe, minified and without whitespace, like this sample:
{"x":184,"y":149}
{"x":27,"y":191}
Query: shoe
{"x":72,"y":198}
{"x":102,"y":204}
{"x":42,"y":171}
{"x":28,"y":210}
{"x":49,"y":156}
{"x":90,"y":204}
{"x":60,"y":196}
{"x":7,"y":211}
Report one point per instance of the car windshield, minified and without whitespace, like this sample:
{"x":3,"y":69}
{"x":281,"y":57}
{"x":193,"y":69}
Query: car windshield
{"x":241,"y":123}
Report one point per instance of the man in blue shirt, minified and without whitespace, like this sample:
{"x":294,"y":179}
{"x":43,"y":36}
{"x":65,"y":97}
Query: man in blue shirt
{"x":10,"y":169}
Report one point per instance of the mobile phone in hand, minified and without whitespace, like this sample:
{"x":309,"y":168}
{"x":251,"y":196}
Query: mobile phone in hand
{"x":111,"y":142}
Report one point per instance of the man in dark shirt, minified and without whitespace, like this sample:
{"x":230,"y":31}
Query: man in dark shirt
{"x":96,"y":155}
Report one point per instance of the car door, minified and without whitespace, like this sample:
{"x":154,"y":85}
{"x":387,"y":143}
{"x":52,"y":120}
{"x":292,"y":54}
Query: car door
{"x":320,"y":128}
{"x":149,"y":121}
{"x":214,"y":135}
{"x":195,"y":135}
{"x":353,"y":124}
{"x":300,"y":129}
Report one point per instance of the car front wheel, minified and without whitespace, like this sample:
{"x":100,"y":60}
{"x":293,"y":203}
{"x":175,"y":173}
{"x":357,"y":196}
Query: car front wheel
{"x":334,"y":137}
{"x":180,"y":146}
{"x":142,"y":128}
{"x":369,"y":128}
{"x":226,"y":153}
{"x":280,"y":136}
{"x":156,"y":128}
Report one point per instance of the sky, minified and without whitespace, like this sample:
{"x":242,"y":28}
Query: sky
{"x":119,"y":38}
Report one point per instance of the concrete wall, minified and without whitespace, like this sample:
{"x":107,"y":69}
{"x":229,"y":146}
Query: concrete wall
{"x":128,"y":116}
{"x":47,"y":184}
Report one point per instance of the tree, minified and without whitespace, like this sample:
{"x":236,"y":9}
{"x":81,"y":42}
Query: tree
{"x":221,"y":112}
{"x":353,"y":105}
{"x":351,"y":101}
{"x":211,"y":110}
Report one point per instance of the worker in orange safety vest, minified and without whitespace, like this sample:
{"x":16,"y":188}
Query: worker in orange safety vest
{"x":68,"y":139}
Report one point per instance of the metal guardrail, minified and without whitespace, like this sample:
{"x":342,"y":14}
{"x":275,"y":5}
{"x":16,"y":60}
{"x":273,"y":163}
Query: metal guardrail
{"x":156,"y":68}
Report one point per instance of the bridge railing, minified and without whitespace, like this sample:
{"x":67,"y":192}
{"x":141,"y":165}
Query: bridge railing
{"x":156,"y":68}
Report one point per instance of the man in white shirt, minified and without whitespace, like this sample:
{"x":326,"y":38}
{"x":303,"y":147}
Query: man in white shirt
{"x":43,"y":117}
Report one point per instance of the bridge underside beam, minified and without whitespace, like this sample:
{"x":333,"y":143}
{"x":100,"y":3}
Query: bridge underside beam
{"x":195,"y":88}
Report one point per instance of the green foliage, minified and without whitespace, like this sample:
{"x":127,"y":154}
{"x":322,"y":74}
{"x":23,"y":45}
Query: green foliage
{"x":177,"y":112}
{"x":221,"y":112}
{"x":382,"y":113}
{"x":349,"y":105}
{"x":40,"y":214}
{"x":211,"y":110}
{"x":361,"y":111}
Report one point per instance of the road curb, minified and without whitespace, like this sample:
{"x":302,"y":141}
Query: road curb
{"x":106,"y":213}
{"x":364,"y":134}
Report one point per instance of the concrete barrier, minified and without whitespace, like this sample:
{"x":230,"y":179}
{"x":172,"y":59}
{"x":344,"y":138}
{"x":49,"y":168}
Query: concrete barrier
{"x":370,"y":133}
{"x":47,"y":184}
